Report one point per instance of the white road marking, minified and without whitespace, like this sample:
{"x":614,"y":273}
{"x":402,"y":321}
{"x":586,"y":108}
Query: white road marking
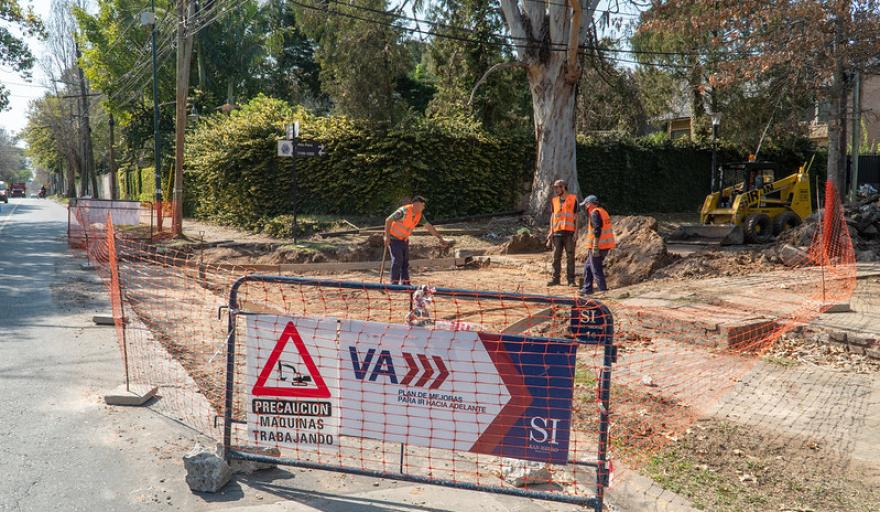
{"x":8,"y":216}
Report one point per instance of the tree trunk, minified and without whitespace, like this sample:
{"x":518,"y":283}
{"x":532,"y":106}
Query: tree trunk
{"x":71,"y":181}
{"x":836,"y":133}
{"x":553,"y":103}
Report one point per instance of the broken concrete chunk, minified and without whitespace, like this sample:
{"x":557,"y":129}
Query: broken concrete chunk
{"x":522,"y":473}
{"x":206,"y":470}
{"x":792,"y":256}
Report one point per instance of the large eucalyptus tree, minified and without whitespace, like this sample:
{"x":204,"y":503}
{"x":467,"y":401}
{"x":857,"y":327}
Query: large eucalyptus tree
{"x":548,"y":35}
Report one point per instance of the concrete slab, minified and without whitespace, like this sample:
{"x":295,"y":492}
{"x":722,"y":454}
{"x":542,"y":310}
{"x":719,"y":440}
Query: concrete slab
{"x":842,"y":307}
{"x":136,"y":394}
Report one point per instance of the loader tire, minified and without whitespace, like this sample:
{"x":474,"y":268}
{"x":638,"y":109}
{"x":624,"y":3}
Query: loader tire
{"x":758,"y":229}
{"x":785,"y":221}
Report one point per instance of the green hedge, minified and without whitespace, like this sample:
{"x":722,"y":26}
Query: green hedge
{"x":234,"y":176}
{"x":646,"y":175}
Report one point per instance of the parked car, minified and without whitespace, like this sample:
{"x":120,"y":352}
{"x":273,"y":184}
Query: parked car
{"x":4,"y":191}
{"x":19,"y":190}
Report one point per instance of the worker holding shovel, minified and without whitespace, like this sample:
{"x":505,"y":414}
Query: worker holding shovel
{"x":399,"y":226}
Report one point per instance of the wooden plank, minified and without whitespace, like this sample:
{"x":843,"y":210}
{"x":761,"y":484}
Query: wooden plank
{"x":524,"y":324}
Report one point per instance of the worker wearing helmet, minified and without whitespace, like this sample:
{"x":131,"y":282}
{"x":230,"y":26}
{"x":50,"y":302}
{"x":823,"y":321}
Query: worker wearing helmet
{"x":600,"y":240}
{"x":563,"y":231}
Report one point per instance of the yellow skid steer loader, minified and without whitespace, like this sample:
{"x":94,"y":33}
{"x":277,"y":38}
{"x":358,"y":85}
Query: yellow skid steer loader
{"x":753,"y":209}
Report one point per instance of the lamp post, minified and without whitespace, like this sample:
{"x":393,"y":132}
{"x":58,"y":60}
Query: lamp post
{"x":149,"y":19}
{"x":716,"y":120}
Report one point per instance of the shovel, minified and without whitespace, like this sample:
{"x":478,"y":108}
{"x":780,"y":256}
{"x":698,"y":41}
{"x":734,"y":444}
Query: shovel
{"x":382,"y":266}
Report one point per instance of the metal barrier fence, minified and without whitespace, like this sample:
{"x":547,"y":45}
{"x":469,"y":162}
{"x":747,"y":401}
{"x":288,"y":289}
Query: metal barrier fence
{"x":682,"y":358}
{"x":332,"y":388}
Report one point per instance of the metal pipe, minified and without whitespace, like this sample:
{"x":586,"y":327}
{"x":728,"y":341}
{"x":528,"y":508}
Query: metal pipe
{"x":452,"y":292}
{"x":510,"y":491}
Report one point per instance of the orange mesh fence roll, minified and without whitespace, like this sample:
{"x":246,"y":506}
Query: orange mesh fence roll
{"x":678,"y":360}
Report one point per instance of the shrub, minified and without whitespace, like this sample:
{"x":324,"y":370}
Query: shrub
{"x":234,"y":175}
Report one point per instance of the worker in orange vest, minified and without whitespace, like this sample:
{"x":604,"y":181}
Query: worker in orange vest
{"x":563,"y":231}
{"x":600,"y":240}
{"x":398,"y":228}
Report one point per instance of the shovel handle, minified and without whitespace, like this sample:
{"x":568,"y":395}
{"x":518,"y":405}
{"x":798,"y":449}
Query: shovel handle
{"x":382,"y":267}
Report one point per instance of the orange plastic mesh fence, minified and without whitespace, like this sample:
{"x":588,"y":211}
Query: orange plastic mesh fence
{"x":682,"y":352}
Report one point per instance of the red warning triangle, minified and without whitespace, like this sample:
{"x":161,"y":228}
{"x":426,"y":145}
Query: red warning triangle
{"x":319,"y":390}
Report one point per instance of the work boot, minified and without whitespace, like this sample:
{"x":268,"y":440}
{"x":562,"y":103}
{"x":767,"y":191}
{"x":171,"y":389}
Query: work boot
{"x":572,"y":284}
{"x":553,"y":282}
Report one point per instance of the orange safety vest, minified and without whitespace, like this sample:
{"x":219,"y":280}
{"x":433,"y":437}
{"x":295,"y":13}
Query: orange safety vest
{"x":563,"y":214}
{"x":606,"y":236}
{"x":401,"y":230}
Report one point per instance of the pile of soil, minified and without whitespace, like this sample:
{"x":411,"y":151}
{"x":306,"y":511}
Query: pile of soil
{"x":640,"y":251}
{"x":520,"y":243}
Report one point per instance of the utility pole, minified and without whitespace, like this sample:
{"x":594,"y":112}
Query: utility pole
{"x":114,"y":186}
{"x":149,"y":18}
{"x":856,"y":133}
{"x":184,"y":54}
{"x":86,"y":128}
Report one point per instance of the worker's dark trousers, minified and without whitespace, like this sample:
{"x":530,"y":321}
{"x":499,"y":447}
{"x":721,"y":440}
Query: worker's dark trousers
{"x":399,"y":261}
{"x":564,"y":240}
{"x":593,"y":269}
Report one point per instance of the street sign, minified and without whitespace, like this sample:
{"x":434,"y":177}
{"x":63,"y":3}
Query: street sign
{"x":308,"y":148}
{"x":289,"y":148}
{"x":285,"y":148}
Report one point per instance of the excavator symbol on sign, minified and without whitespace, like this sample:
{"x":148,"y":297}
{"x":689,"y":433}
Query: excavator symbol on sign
{"x":297,"y":379}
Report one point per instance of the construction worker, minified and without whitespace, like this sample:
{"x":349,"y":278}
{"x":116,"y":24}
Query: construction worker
{"x":600,"y":240}
{"x":563,"y":231}
{"x":398,"y":228}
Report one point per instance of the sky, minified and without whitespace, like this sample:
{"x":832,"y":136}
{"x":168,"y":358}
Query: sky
{"x":22,"y":92}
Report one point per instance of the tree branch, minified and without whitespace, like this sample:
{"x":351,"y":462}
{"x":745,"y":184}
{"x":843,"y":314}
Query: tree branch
{"x":586,"y":21}
{"x":516,"y":24}
{"x":572,"y":67}
{"x":500,"y":65}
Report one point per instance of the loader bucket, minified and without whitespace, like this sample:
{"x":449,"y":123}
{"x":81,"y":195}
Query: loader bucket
{"x":709,"y":234}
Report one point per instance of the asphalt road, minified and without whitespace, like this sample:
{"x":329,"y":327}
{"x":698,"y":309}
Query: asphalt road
{"x":62,"y":449}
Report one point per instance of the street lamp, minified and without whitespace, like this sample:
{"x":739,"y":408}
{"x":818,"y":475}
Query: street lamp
{"x":148,"y":19}
{"x":716,"y":120}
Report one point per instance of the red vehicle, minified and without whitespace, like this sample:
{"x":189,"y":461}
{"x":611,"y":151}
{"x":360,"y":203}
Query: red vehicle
{"x":19,"y":190}
{"x":4,"y":197}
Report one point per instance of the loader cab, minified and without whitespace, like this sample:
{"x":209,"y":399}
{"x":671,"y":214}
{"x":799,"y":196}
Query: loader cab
{"x":741,"y":177}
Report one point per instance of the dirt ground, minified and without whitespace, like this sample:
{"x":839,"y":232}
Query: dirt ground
{"x":737,"y":457}
{"x":642,"y":253}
